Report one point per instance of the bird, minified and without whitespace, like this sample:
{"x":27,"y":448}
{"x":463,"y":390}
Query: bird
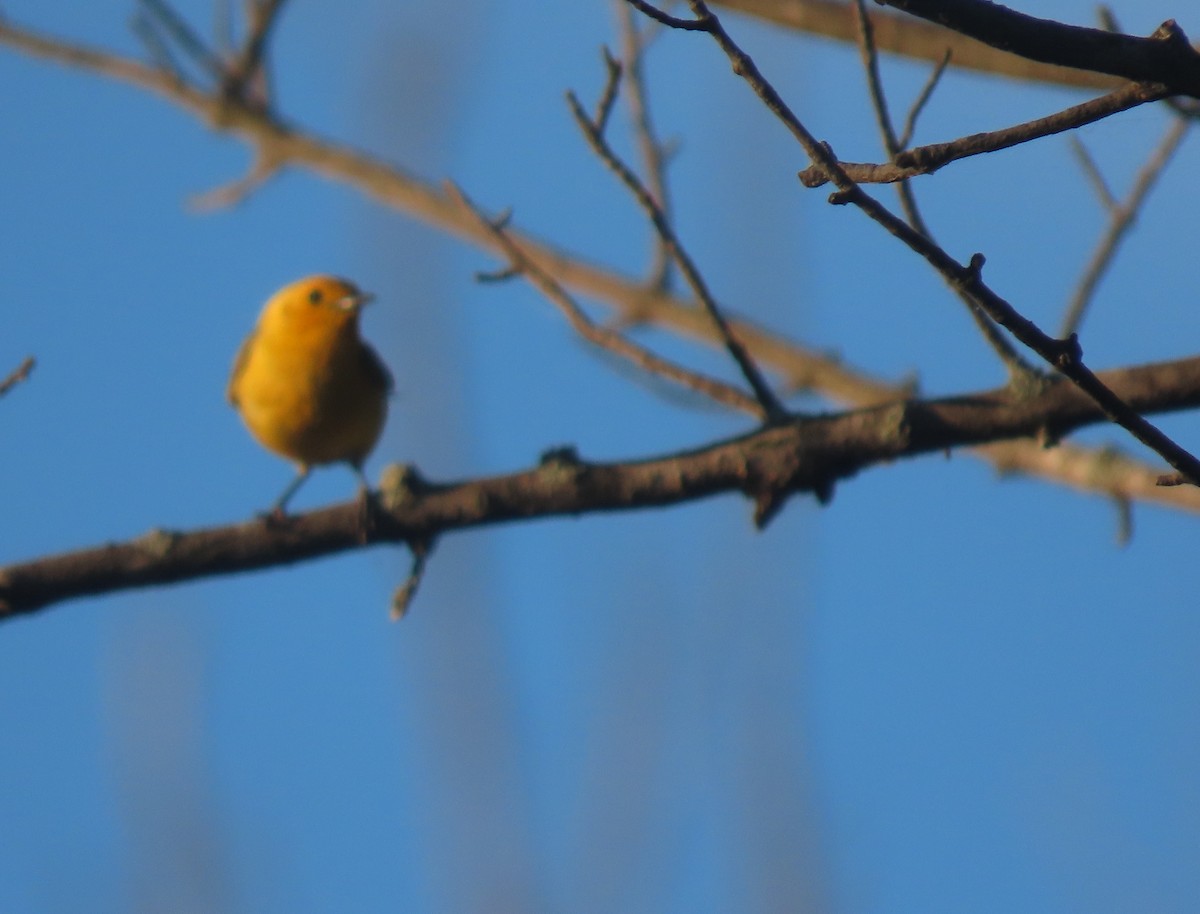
{"x":307,"y":386}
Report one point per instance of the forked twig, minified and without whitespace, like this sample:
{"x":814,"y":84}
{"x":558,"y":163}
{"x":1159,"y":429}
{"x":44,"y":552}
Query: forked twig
{"x":922,"y":99}
{"x":603,"y":337}
{"x":262,"y":15}
{"x":925,"y":160}
{"x":772,"y":409}
{"x":654,"y":158}
{"x":1122,"y":215}
{"x":1019,"y":370}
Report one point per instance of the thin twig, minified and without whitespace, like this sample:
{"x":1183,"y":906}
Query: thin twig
{"x":604,"y":337}
{"x":654,"y":158}
{"x":612,"y":84}
{"x":659,"y":16}
{"x":922,"y":99}
{"x":927,"y":159}
{"x":1091,"y":171}
{"x":223,"y":26}
{"x":772,"y":409}
{"x":185,"y":37}
{"x":406,"y":592}
{"x":146,"y":30}
{"x":17,"y":375}
{"x":1018,"y":369}
{"x":262,"y":170}
{"x":866,"y":47}
{"x":1121,"y":219}
{"x":262,"y":15}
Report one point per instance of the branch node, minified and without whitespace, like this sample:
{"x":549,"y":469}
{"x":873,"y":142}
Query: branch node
{"x":699,"y":24}
{"x":767,"y":504}
{"x":157,"y":542}
{"x":1069,"y":353}
{"x":1171,"y":33}
{"x":563,"y":456}
{"x":399,"y":485}
{"x":561,"y":464}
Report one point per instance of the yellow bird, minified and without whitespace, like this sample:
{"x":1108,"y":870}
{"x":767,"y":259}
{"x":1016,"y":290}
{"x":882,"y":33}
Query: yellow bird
{"x":305,"y":383}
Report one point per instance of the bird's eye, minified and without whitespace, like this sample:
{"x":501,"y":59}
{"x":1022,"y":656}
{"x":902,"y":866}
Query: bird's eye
{"x":314,"y":297}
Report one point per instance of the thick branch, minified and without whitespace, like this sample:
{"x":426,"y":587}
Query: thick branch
{"x":1165,"y":57}
{"x":807,"y":455}
{"x":909,"y":37}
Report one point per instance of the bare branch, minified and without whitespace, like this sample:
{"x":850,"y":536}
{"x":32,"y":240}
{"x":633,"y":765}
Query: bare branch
{"x":242,"y":70}
{"x":922,"y":99}
{"x":612,"y":84}
{"x":17,"y":375}
{"x":654,"y":159}
{"x":604,"y":337}
{"x":1165,"y":57}
{"x":802,"y":455}
{"x":772,"y":409}
{"x":162,"y":15}
{"x":915,"y":39}
{"x":1092,"y":172}
{"x":406,"y":592}
{"x":1121,"y":219}
{"x":928,"y":159}
{"x":1017,"y":368}
{"x":659,"y":16}
{"x":236,"y":191}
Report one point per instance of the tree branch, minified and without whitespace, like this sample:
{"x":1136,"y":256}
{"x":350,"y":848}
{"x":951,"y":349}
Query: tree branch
{"x":1120,"y":219}
{"x":1165,"y":57}
{"x":772,"y":409}
{"x":804,"y":455}
{"x":17,"y":375}
{"x":1018,"y":369}
{"x":924,"y":160}
{"x":915,"y":39}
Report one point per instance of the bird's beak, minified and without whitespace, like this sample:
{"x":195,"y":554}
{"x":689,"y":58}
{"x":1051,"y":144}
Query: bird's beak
{"x":356,"y":301}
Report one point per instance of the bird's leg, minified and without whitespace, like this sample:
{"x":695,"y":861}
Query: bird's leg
{"x":367,"y":507}
{"x":278,"y":511}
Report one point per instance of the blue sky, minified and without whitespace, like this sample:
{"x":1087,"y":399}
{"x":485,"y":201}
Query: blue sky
{"x":941,"y":692}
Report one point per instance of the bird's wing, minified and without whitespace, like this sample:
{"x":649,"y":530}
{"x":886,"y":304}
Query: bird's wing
{"x":239,"y":366}
{"x":375,"y":368}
